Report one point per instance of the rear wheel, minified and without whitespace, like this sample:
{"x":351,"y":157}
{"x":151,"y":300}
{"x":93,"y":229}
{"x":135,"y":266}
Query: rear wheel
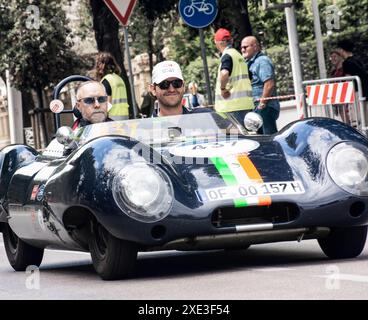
{"x":20,"y":254}
{"x":112,"y":258}
{"x":344,"y":243}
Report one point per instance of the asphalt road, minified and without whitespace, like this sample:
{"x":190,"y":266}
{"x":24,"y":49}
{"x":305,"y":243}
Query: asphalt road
{"x":284,"y":271}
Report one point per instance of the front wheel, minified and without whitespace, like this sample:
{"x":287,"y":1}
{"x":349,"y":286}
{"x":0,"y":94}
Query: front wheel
{"x":344,"y":243}
{"x":188,"y":11}
{"x":209,"y":9}
{"x":20,"y":254}
{"x":112,"y":258}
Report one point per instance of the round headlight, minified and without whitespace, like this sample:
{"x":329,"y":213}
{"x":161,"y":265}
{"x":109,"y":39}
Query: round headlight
{"x":143,"y":192}
{"x":347,"y":165}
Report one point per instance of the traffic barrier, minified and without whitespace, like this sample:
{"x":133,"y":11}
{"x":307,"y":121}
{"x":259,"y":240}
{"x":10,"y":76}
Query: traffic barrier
{"x":337,"y":98}
{"x":331,"y":93}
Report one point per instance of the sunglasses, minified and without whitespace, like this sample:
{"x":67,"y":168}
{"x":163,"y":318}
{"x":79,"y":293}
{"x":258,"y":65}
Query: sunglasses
{"x":164,"y":85}
{"x":92,"y":100}
{"x":244,"y":47}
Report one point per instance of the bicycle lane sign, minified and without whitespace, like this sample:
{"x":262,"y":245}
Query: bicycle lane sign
{"x":198,"y":13}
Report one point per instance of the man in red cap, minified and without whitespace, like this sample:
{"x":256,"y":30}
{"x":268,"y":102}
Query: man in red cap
{"x":233,"y":87}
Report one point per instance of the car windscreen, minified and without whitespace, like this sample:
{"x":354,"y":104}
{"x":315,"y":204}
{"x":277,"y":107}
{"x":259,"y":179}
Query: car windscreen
{"x":161,"y":129}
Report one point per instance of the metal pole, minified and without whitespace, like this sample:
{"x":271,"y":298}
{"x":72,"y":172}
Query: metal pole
{"x":295,"y":56}
{"x":319,"y":41}
{"x":130,"y":71}
{"x":15,"y":112}
{"x":205,"y":65}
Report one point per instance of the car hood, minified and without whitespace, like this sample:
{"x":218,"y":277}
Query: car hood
{"x":213,"y":161}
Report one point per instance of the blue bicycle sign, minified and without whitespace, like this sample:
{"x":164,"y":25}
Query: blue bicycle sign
{"x":198,"y":13}
{"x":200,"y":6}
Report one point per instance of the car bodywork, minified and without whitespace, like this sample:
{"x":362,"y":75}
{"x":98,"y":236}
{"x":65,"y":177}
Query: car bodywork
{"x":216,"y":188}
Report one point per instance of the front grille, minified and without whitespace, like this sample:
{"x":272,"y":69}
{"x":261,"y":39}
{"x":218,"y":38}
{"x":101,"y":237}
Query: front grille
{"x":280,"y":212}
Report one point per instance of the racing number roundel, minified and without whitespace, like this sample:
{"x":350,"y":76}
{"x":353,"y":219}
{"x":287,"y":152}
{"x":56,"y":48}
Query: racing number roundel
{"x":214,"y":149}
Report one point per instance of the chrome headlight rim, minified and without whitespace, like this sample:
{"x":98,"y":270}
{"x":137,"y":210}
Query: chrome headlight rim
{"x":149,"y":212}
{"x":358,"y":186}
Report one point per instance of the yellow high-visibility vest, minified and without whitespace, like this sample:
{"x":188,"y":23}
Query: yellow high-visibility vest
{"x":120,"y":107}
{"x":239,"y":86}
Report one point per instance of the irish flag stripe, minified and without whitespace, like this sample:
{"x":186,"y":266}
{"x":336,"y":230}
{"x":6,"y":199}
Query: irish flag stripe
{"x":253,"y":174}
{"x":249,"y":168}
{"x":224,"y":171}
{"x":223,"y":168}
{"x":237,"y":170}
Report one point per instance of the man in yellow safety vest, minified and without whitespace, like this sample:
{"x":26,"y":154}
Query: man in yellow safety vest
{"x":233,"y":87}
{"x":107,"y":71}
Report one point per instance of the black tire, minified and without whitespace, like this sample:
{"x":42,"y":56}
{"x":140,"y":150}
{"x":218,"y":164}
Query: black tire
{"x":344,"y":243}
{"x":20,"y":254}
{"x":112,"y":258}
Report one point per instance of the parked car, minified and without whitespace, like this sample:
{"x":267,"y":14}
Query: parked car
{"x":189,"y":182}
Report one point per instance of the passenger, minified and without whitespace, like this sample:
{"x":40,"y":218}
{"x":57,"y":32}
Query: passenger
{"x":168,"y":87}
{"x":91,"y":104}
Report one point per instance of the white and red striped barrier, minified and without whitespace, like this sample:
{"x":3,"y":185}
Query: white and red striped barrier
{"x":330,"y":93}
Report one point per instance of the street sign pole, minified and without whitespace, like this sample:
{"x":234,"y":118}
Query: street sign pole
{"x":122,"y":9}
{"x":205,"y":66}
{"x":200,"y":14}
{"x":131,"y":80}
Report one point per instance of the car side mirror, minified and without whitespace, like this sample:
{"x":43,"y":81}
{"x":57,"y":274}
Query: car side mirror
{"x":252,"y":122}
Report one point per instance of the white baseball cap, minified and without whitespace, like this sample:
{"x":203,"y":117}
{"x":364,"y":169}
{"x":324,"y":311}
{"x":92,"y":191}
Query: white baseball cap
{"x":166,"y":69}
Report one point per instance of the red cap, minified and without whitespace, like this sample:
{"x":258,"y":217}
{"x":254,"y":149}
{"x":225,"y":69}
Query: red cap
{"x":222,"y":34}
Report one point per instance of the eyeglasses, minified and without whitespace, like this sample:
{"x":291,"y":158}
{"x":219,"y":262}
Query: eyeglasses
{"x":244,"y":47}
{"x":92,"y":100}
{"x":164,"y":85}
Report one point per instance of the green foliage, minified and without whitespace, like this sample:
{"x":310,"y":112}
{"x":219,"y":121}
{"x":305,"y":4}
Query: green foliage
{"x":151,"y":25}
{"x":194,"y":72}
{"x":185,"y":47}
{"x":353,"y":13}
{"x":308,"y":52}
{"x":36,"y":49}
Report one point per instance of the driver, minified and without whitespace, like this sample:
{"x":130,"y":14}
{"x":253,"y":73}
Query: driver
{"x":168,"y":87}
{"x":91,"y":106}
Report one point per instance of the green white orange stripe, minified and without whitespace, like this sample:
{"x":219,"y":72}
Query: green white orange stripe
{"x":237,"y":170}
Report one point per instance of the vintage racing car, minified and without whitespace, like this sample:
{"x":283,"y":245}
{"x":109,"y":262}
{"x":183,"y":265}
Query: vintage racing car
{"x":190,"y":182}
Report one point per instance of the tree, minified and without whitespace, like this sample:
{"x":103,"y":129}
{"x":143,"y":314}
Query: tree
{"x":106,"y":28}
{"x":234,"y":15}
{"x":35,"y":45}
{"x":151,"y":26}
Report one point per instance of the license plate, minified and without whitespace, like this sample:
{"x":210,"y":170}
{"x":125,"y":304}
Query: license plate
{"x":255,"y":190}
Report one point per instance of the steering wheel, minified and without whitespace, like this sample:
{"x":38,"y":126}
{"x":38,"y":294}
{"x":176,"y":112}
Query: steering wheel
{"x":57,"y":91}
